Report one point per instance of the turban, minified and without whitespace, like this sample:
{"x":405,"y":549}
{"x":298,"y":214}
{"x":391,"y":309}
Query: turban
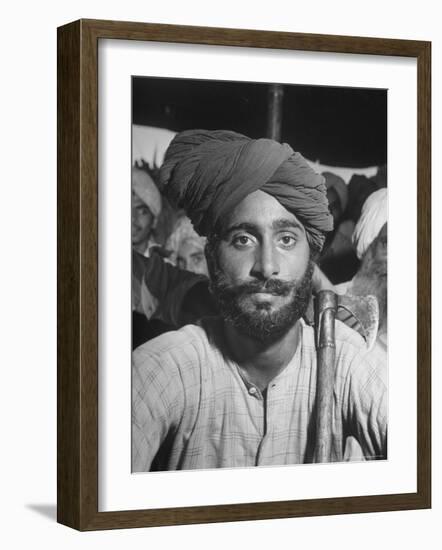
{"x":373,"y":217}
{"x":144,"y":187}
{"x":208,"y":173}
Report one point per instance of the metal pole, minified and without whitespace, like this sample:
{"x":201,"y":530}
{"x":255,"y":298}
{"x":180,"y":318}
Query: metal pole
{"x":274,"y":119}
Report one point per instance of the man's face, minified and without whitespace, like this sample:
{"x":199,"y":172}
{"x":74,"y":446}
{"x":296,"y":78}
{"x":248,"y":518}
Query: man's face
{"x":191,"y":257}
{"x":262,"y":273}
{"x":142,"y":221}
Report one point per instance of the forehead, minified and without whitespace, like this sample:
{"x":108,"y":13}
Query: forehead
{"x":259,"y":209}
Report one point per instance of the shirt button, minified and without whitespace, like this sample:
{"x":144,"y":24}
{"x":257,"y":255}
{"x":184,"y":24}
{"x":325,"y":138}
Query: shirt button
{"x":252,"y":390}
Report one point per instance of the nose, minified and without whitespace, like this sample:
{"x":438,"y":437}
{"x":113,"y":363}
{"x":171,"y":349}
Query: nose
{"x":266,"y":263}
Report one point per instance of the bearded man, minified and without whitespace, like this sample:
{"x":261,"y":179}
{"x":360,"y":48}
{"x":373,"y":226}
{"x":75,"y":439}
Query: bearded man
{"x":239,"y":389}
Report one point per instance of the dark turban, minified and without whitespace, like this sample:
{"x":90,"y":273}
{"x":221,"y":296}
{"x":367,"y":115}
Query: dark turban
{"x":208,"y":173}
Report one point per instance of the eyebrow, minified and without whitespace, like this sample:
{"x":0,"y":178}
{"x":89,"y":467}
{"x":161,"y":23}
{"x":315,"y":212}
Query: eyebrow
{"x":284,"y":223}
{"x":249,"y":227}
{"x":281,"y":223}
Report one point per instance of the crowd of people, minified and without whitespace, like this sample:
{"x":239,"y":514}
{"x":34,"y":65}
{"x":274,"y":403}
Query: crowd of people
{"x":182,"y":275}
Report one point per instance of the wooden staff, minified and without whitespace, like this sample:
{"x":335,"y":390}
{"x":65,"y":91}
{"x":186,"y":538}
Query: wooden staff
{"x":326,"y":307}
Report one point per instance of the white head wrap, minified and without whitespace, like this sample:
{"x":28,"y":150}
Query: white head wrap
{"x":144,"y":187}
{"x":183,"y":231}
{"x":373,"y":216}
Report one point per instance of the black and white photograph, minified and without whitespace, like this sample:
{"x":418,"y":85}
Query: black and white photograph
{"x":259,"y":222}
{"x":220,"y":274}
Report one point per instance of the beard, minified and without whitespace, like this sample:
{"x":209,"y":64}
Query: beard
{"x":261,"y":321}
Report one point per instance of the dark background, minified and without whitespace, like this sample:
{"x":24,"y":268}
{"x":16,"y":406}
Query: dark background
{"x":344,"y":127}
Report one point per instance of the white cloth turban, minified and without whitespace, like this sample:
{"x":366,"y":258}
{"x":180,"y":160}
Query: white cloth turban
{"x":373,"y":216}
{"x":144,"y":187}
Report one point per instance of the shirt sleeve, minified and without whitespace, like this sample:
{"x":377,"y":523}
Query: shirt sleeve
{"x":366,"y":403}
{"x":157,"y":405}
{"x":163,"y":291}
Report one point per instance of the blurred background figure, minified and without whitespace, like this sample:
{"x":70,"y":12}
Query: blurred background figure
{"x":373,"y":217}
{"x":338,"y":260}
{"x":163,"y":296}
{"x":370,"y":240}
{"x":169,"y":215}
{"x":146,"y":209}
{"x":359,"y":189}
{"x":186,"y":248}
{"x":337,"y":195}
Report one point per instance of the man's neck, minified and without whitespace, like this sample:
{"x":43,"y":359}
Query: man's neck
{"x":261,"y":362}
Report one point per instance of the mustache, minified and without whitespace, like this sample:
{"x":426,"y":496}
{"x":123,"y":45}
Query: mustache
{"x":276,"y":287}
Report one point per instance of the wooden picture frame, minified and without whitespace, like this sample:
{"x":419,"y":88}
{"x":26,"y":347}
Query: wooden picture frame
{"x":77,"y":458}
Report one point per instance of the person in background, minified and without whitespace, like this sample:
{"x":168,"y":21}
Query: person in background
{"x":370,"y":240}
{"x":337,"y":196}
{"x":146,"y":209}
{"x":338,"y":259}
{"x":359,"y":189}
{"x":168,"y":294}
{"x":186,"y":248}
{"x":169,"y":215}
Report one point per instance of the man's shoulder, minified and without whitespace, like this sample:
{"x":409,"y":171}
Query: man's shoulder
{"x":185,"y":340}
{"x":176,"y":358}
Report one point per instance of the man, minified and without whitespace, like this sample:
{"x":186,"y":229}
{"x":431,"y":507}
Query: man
{"x":239,"y":390}
{"x":370,"y":241}
{"x":338,"y":259}
{"x":146,"y":208}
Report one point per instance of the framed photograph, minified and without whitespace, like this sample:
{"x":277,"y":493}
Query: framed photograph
{"x":236,"y":210}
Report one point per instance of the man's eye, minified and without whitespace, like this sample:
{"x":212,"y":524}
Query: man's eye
{"x":287,"y":240}
{"x":242,"y":241}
